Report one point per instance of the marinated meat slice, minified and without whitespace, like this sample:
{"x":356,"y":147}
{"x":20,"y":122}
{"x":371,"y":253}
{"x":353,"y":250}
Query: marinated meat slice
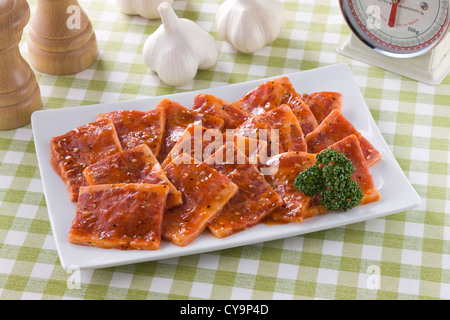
{"x":334,"y":128}
{"x":255,"y":150}
{"x":137,"y":127}
{"x":120,"y":216}
{"x":193,"y":142}
{"x":322,"y":103}
{"x":81,"y":147}
{"x":350,"y":146}
{"x":281,"y":130}
{"x":177,"y":120}
{"x":136,"y":165}
{"x":209,"y":104}
{"x":267,"y":96}
{"x":254,"y":200}
{"x":314,"y":208}
{"x":205,"y":192}
{"x":303,"y":114}
{"x":273,"y":94}
{"x":200,"y":143}
{"x":289,"y":165}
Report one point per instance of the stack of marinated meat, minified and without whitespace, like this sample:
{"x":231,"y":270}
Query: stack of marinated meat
{"x":171,"y":173}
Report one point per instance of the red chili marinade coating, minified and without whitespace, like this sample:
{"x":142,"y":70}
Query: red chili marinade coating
{"x":274,"y":93}
{"x":136,"y":165}
{"x":120,"y":216}
{"x":200,"y":143}
{"x":287,"y":166}
{"x":209,"y":104}
{"x":254,"y":200}
{"x":287,"y":132}
{"x":193,"y":142}
{"x":322,"y":103}
{"x":350,"y":147}
{"x":178,"y":118}
{"x":205,"y":192}
{"x":137,"y":127}
{"x":334,"y":128}
{"x":81,"y":147}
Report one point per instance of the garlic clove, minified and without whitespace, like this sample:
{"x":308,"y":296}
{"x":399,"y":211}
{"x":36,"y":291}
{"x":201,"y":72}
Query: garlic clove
{"x":178,"y":48}
{"x":144,"y":8}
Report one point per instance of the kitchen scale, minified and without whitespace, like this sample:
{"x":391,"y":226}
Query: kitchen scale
{"x":408,"y":37}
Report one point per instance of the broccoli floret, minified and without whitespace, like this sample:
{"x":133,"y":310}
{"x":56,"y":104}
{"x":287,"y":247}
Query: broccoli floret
{"x":330,"y":178}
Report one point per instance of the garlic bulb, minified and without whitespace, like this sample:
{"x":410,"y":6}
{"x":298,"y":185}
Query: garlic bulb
{"x":249,"y":25}
{"x":145,"y":8}
{"x":178,"y":48}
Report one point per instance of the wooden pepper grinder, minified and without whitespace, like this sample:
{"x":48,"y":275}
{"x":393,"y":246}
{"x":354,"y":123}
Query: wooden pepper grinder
{"x":61,"y":39}
{"x":19,"y":92}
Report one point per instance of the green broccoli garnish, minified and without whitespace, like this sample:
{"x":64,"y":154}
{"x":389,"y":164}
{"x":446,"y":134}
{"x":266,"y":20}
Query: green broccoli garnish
{"x":330,"y":178}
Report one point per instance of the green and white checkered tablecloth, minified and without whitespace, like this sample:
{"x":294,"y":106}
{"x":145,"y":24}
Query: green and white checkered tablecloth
{"x":410,"y":250}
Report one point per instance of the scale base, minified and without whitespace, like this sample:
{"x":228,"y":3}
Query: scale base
{"x":430,"y":68}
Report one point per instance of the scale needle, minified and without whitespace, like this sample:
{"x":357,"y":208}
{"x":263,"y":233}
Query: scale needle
{"x":393,"y":14}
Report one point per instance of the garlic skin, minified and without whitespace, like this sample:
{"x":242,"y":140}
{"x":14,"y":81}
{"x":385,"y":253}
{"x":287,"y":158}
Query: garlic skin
{"x":178,"y":48}
{"x":144,"y":8}
{"x":249,"y":25}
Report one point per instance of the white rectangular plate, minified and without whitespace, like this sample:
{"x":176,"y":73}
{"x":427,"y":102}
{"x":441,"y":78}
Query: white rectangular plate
{"x":397,"y":194}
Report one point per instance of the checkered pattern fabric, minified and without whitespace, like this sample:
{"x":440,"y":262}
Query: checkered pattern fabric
{"x":401,"y":256}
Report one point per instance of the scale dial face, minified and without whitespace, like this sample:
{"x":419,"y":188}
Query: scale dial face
{"x":398,"y":28}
